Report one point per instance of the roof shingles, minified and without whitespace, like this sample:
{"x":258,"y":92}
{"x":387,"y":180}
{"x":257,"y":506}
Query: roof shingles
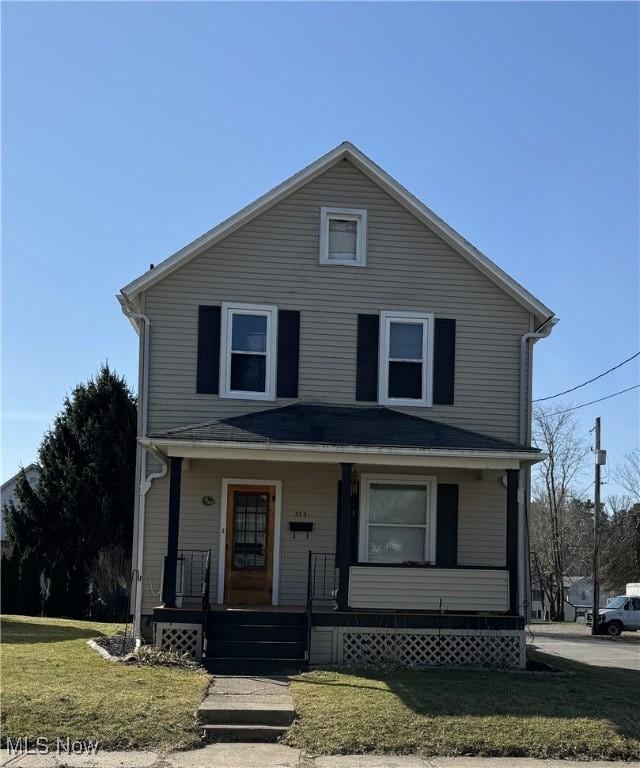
{"x":320,"y":424}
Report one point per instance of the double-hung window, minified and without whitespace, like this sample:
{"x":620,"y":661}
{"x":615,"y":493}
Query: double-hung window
{"x":343,"y":236}
{"x":405,"y":358}
{"x":249,"y":345}
{"x":397,"y":519}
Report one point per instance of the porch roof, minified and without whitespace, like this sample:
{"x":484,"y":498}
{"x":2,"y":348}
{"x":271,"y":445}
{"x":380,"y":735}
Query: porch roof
{"x":329,"y":428}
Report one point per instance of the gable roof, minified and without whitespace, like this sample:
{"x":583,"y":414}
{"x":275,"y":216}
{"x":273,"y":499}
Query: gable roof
{"x":27,"y":469}
{"x":340,"y":425}
{"x":347,"y":151}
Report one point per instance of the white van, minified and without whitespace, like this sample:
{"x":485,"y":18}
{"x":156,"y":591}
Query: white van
{"x":621,"y":613}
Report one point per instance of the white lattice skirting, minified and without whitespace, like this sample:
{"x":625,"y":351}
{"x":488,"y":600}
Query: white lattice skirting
{"x":362,"y":646}
{"x":181,"y":638}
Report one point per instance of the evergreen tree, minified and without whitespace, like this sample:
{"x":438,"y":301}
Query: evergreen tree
{"x":84,"y":499}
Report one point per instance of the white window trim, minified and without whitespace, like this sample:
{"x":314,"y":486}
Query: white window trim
{"x":428,"y":481}
{"x":426,"y":319}
{"x":358,"y":215}
{"x":270,"y":311}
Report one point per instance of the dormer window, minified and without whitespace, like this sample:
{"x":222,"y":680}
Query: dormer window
{"x":343,"y":236}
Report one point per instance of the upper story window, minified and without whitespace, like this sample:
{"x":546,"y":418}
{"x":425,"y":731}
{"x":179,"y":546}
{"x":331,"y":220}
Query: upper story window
{"x":405,"y":358}
{"x":343,"y":236}
{"x":248,"y":353}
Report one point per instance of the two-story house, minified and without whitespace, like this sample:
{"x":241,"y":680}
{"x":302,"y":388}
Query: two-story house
{"x":334,"y":399}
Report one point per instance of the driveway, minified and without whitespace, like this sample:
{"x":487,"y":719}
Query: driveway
{"x":574,"y":641}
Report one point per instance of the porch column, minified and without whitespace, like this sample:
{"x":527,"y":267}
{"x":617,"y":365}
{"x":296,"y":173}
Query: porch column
{"x":512,"y":538}
{"x":344,"y":535}
{"x":171,"y":559}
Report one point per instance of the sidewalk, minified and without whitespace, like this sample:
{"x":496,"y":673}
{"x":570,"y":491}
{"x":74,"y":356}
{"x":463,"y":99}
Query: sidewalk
{"x":278,"y":756}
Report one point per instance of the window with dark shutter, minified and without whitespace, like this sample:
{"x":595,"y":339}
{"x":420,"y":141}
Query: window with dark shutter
{"x":406,"y":358}
{"x":249,"y":342}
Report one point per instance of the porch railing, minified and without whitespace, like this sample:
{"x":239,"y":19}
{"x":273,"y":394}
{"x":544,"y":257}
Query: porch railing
{"x":322,"y":584}
{"x":193,"y":572}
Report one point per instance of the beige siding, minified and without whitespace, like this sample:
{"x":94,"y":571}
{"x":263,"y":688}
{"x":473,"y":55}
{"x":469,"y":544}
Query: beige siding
{"x":309,"y":490}
{"x":428,"y":589}
{"x":274,"y":260}
{"x":322,"y":646}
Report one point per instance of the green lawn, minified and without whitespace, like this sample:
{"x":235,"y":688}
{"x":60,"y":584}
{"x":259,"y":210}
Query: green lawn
{"x":54,"y":685}
{"x":581,"y":713}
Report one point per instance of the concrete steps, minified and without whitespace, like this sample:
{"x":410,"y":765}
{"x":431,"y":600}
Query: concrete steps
{"x":249,"y":709}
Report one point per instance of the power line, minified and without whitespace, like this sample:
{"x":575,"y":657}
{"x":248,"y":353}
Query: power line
{"x":599,"y":400}
{"x":584,"y":383}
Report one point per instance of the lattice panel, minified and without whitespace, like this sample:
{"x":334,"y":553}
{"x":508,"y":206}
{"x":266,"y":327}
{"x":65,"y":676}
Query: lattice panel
{"x":181,"y":638}
{"x":362,"y":648}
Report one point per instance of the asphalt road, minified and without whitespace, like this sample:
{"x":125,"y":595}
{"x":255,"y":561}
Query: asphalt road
{"x":618,"y":653}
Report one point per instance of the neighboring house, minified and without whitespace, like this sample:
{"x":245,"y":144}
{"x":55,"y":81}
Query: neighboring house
{"x":8,"y":494}
{"x":335,"y":395}
{"x":578,"y":599}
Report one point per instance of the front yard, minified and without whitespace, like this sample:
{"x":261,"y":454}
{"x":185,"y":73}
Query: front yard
{"x":581,"y":713}
{"x":53,"y":685}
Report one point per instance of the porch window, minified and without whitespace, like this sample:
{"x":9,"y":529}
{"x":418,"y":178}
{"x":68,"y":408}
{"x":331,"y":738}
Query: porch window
{"x":248,"y":351}
{"x":406,"y":358}
{"x":397,"y":519}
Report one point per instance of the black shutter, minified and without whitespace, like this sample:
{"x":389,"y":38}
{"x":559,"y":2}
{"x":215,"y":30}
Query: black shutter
{"x":288,"y":352}
{"x":367,"y":358}
{"x":444,"y":361}
{"x":447,"y":533}
{"x":208,"y":375}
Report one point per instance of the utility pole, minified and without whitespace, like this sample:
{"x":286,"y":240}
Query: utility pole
{"x":600,"y":459}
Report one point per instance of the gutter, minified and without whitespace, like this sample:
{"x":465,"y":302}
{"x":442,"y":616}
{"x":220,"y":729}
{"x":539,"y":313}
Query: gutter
{"x":527,"y":341}
{"x":142,"y":324}
{"x":323,"y":449}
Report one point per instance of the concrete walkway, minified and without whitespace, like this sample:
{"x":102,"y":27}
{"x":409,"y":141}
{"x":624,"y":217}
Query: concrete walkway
{"x":279,"y":756}
{"x":246,"y":709}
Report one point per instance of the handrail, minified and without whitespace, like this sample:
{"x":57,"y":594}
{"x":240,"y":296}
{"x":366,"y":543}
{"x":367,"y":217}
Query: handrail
{"x":205,"y":587}
{"x":319,"y":586}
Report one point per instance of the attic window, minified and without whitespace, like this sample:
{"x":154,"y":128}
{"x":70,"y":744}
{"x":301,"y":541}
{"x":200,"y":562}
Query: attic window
{"x":343,"y":236}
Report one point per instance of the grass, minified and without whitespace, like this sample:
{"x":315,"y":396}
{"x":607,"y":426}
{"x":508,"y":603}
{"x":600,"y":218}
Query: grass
{"x":581,"y":713}
{"x":54,"y":685}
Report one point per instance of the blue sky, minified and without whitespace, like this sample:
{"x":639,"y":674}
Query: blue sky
{"x":129,"y":129}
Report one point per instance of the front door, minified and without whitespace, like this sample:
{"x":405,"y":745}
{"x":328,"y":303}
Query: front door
{"x":249,"y":545}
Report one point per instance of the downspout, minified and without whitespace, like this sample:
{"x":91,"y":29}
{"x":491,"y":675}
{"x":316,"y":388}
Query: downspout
{"x":524,"y":437}
{"x":143,"y":324}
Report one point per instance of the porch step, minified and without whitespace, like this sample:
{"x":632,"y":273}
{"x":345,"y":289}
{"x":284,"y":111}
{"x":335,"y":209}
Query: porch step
{"x":253,"y":666}
{"x":243,"y":733}
{"x":256,"y":649}
{"x":251,"y":617}
{"x":270,"y":709}
{"x":258,"y":632}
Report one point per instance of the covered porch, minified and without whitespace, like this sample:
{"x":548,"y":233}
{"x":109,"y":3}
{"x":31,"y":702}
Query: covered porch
{"x":421,"y":540}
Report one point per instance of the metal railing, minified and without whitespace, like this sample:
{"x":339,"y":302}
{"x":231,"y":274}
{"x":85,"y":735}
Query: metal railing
{"x":322,"y":584}
{"x":193,"y":573}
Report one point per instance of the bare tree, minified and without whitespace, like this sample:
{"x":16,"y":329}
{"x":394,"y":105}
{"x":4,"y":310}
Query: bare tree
{"x":621,"y":545}
{"x":554,"y":508}
{"x":627,"y":475}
